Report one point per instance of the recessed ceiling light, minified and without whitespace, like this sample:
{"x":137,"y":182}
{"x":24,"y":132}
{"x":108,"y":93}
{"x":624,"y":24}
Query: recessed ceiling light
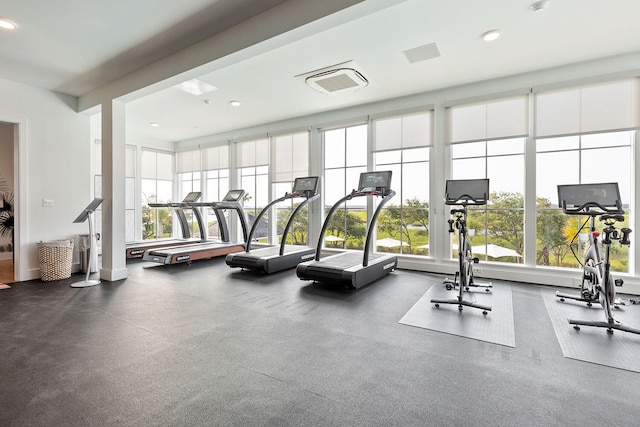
{"x":491,"y":35}
{"x":195,"y":87}
{"x":6,"y":24}
{"x":234,"y":103}
{"x":539,"y":5}
{"x":154,"y":124}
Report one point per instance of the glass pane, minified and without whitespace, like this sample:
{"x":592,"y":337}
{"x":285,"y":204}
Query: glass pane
{"x":165,"y":191}
{"x":415,"y":155}
{"x":353,"y":179}
{"x":386,"y":157}
{"x":469,"y":169}
{"x":561,"y":143}
{"x":553,"y":169}
{"x":606,"y":139}
{"x":148,"y":190}
{"x":608,"y":165}
{"x":334,"y":186}
{"x":506,"y":174}
{"x":505,"y":146}
{"x":471,"y":149}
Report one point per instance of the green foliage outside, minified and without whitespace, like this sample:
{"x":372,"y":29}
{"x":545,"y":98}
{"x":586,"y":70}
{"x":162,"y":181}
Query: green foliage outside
{"x":500,"y":222}
{"x":156,"y":222}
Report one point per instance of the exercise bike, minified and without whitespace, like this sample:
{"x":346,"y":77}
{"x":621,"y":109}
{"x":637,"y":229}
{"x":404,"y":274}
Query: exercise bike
{"x":598,"y":284}
{"x":464,"y":192}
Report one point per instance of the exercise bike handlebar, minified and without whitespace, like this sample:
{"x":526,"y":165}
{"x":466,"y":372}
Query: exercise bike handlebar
{"x":584,"y":209}
{"x":466,"y":199}
{"x":615,"y":217}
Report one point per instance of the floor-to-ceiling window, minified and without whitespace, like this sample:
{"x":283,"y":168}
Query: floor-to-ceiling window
{"x":345,"y":158}
{"x":583,"y":135}
{"x":189,"y":180}
{"x":215,"y":166}
{"x":252,"y":162}
{"x":487,"y":140}
{"x":157,"y":175}
{"x":402,"y":144}
{"x":290,"y":160}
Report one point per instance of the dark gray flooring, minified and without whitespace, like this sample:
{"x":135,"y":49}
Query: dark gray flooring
{"x":208,"y":345}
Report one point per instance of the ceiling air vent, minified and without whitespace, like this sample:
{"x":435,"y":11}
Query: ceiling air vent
{"x":336,"y":78}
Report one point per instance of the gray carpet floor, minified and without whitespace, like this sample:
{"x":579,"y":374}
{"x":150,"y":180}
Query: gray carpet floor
{"x":618,"y":350}
{"x":205,"y":345}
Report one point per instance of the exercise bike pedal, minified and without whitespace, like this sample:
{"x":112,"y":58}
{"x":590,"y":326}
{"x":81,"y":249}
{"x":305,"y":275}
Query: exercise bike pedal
{"x":618,"y":282}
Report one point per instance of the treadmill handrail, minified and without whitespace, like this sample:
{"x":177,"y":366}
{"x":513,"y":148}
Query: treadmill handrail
{"x":372,"y":223}
{"x":291,"y":218}
{"x":264,"y":210}
{"x":222,"y":223}
{"x":354,"y":193}
{"x":178,"y":207}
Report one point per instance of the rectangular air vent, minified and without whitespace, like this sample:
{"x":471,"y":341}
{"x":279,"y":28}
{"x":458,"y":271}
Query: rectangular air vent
{"x":422,"y":53}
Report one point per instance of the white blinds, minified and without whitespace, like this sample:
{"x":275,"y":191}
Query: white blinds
{"x":188,"y":161}
{"x":603,"y":107}
{"x":214,"y":158}
{"x":252,"y":153}
{"x":157,"y":165}
{"x":290,"y":157}
{"x":506,"y":118}
{"x":408,"y":131}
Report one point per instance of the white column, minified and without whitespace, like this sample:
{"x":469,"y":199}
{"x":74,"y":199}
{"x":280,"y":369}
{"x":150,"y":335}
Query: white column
{"x":113,"y":191}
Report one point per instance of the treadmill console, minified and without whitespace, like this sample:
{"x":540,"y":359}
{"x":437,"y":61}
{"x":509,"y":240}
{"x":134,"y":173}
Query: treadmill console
{"x":233,"y":196}
{"x":307,"y":186}
{"x":192,"y":197}
{"x":466,"y":191}
{"x":375,"y":182}
{"x":590,"y":198}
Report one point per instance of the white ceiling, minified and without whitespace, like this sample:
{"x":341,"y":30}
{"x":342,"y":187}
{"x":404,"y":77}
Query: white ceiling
{"x":75,"y":46}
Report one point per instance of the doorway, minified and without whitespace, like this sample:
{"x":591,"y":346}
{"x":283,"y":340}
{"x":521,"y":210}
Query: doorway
{"x":7,"y":204}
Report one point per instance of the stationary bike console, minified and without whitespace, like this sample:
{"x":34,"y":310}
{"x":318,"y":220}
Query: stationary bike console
{"x":466,"y":192}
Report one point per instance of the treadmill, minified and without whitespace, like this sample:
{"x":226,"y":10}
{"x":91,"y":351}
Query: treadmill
{"x":282,"y":257}
{"x":137,"y":249}
{"x":206,"y":249}
{"x":354,"y":270}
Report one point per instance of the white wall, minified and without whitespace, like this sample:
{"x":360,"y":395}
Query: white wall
{"x":53,"y":163}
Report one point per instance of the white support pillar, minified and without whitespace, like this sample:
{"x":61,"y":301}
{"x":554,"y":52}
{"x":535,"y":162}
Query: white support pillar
{"x":113,"y":191}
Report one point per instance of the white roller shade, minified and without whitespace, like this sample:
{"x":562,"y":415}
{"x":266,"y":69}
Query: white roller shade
{"x":214,"y":158}
{"x":408,"y":131}
{"x":188,"y":161}
{"x":252,"y":153}
{"x":597,"y":108}
{"x":506,"y":118}
{"x":290,"y":157}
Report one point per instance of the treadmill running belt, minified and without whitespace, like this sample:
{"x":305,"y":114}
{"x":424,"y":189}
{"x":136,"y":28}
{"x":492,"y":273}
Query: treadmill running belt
{"x":346,"y":260}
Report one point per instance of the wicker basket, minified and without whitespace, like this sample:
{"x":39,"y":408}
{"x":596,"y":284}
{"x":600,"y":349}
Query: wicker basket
{"x":56,"y":257}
